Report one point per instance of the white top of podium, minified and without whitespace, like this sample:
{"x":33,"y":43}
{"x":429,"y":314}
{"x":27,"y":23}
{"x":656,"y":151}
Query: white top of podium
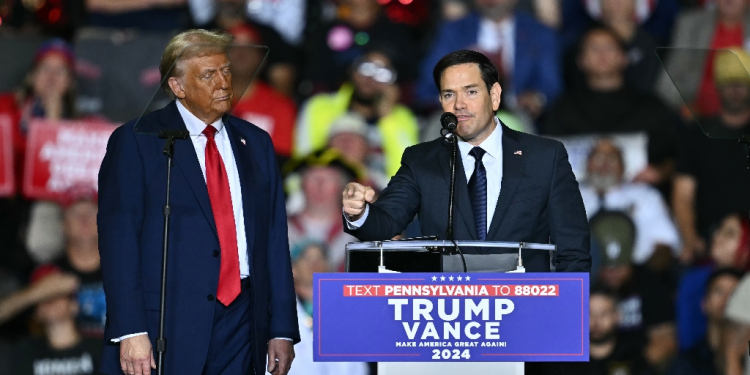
{"x":417,"y":244}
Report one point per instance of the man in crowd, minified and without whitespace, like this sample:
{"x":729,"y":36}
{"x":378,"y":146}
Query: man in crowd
{"x":62,"y":349}
{"x":525,"y":51}
{"x":80,"y":270}
{"x":610,"y":353}
{"x":737,"y":330}
{"x":230,"y":297}
{"x":690,"y":62}
{"x":705,"y":357}
{"x":711,"y":178}
{"x":606,"y":105}
{"x":324,"y":174}
{"x":371,"y":93}
{"x":604,"y":188}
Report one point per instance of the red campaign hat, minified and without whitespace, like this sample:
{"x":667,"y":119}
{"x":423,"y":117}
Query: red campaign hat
{"x":55,"y":46}
{"x":43,"y":271}
{"x":77,"y":193}
{"x":244,"y":29}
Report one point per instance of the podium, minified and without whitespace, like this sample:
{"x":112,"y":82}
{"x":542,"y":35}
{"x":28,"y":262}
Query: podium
{"x":435,"y":256}
{"x":441,"y":320}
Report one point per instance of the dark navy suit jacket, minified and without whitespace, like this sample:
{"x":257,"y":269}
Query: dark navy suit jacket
{"x":536,"y":61}
{"x":132,"y":186}
{"x":539,"y":201}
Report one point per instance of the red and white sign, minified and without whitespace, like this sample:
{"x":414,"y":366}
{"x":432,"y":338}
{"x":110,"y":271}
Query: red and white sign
{"x":7,"y":175}
{"x":61,"y":154}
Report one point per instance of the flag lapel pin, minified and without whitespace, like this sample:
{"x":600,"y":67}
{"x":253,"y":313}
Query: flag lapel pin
{"x":519,"y":153}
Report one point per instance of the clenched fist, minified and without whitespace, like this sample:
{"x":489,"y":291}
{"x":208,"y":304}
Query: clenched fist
{"x":356,"y":197}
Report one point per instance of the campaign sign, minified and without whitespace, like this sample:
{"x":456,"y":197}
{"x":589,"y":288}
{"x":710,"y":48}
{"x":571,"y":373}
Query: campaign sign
{"x":424,"y":317}
{"x":63,"y":154}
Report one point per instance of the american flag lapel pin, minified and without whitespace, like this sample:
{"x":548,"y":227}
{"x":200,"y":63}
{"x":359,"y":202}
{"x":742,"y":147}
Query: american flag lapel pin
{"x":519,"y":153}
{"x":244,"y":143}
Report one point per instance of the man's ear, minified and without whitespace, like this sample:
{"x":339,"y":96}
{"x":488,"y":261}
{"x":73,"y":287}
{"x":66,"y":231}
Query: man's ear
{"x":495,"y":93}
{"x":176,"y":86}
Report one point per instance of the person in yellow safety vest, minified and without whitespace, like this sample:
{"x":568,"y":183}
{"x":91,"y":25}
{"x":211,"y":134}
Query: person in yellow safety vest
{"x":372,"y":93}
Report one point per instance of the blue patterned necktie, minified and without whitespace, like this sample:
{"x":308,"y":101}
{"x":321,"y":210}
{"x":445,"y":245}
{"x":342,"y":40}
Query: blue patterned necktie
{"x":478,"y":192}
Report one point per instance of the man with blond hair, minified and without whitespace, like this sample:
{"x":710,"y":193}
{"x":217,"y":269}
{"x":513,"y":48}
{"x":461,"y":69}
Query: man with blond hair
{"x":230,"y":294}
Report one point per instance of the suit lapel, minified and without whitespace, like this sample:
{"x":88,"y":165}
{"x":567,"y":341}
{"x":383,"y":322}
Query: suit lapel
{"x":246,"y":169}
{"x":513,"y":168}
{"x":462,"y":203}
{"x":186,"y":162}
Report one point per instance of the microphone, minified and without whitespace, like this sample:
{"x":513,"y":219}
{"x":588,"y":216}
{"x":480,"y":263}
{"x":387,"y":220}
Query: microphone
{"x":449,"y":122}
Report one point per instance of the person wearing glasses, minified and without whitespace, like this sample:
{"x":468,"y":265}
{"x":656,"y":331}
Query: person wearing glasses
{"x":372,"y":93}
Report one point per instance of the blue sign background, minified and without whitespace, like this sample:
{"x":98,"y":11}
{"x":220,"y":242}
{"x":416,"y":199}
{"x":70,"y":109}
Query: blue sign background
{"x":364,"y":328}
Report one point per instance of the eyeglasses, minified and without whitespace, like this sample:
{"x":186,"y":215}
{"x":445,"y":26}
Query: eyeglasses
{"x":377,"y":72}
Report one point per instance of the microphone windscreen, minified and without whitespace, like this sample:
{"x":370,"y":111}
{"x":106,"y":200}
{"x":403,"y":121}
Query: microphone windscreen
{"x":449,"y":121}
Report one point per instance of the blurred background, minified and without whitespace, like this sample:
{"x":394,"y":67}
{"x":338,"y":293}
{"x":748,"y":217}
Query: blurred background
{"x":346,"y":87}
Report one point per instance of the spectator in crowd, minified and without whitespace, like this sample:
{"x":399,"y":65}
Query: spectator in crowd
{"x":643,"y":66}
{"x":525,"y":51}
{"x":308,"y":258}
{"x":711,"y":179}
{"x":610,"y":352}
{"x":605,"y":189}
{"x":361,"y":26}
{"x":724,"y":26}
{"x":372,"y":93}
{"x":260,"y":104}
{"x":737,"y":330}
{"x":348,"y":135}
{"x":607,"y":105}
{"x":324,"y":174}
{"x":62,"y":350}
{"x":80,"y":267}
{"x":147,"y":15}
{"x":645,"y":299}
{"x":705,"y":357}
{"x":730,"y":249}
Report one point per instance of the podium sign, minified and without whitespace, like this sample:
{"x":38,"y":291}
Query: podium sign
{"x":451,"y":317}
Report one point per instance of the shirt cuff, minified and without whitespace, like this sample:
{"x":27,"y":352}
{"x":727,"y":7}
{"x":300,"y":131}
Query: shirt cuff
{"x":128,"y":336}
{"x":282,"y":338}
{"x":354,"y":225}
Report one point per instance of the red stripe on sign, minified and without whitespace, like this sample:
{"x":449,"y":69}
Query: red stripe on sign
{"x":451,"y":290}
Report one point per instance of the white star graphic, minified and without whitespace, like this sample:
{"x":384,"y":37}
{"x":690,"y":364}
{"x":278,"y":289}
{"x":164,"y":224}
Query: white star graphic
{"x":434,"y":278}
{"x":468,"y":278}
{"x":450,"y":278}
{"x":459,"y":278}
{"x":442,"y":278}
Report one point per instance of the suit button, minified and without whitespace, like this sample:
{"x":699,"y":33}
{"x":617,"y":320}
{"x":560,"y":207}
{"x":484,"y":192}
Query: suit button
{"x":216,"y":253}
{"x":210,"y":297}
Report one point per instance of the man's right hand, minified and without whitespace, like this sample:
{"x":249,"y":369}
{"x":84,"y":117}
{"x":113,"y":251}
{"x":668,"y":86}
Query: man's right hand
{"x":136,"y":356}
{"x":356,"y":197}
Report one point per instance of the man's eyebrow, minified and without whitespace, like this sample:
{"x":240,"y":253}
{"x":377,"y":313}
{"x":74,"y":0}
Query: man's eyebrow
{"x":470,"y":86}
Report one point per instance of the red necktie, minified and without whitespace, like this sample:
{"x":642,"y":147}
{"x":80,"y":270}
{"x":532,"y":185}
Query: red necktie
{"x":221,"y":205}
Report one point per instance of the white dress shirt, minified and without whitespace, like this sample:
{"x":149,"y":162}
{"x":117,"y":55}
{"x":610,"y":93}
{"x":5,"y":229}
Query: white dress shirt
{"x":648,"y":210}
{"x":499,"y":37}
{"x":493,"y":163}
{"x":195,"y":126}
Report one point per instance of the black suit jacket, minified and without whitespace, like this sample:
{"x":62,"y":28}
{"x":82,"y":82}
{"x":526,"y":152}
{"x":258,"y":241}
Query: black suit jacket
{"x":539,"y":201}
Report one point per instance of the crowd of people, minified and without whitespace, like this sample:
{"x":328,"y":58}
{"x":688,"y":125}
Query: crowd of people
{"x":346,"y":86}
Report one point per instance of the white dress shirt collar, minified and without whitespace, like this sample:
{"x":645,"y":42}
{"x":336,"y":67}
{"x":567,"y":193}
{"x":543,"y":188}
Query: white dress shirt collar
{"x":493,"y":145}
{"x":195,"y":125}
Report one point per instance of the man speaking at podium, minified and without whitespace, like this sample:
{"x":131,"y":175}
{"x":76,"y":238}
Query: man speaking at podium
{"x":230,"y":294}
{"x":510,"y":186}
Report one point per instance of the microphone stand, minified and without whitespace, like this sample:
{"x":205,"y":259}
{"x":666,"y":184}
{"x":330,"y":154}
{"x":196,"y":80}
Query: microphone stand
{"x":161,"y":343}
{"x":452,"y":138}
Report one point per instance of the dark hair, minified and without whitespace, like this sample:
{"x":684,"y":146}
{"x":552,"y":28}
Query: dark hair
{"x":601,"y":29}
{"x":490,"y":76}
{"x":731,"y":272}
{"x":599,"y":289}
